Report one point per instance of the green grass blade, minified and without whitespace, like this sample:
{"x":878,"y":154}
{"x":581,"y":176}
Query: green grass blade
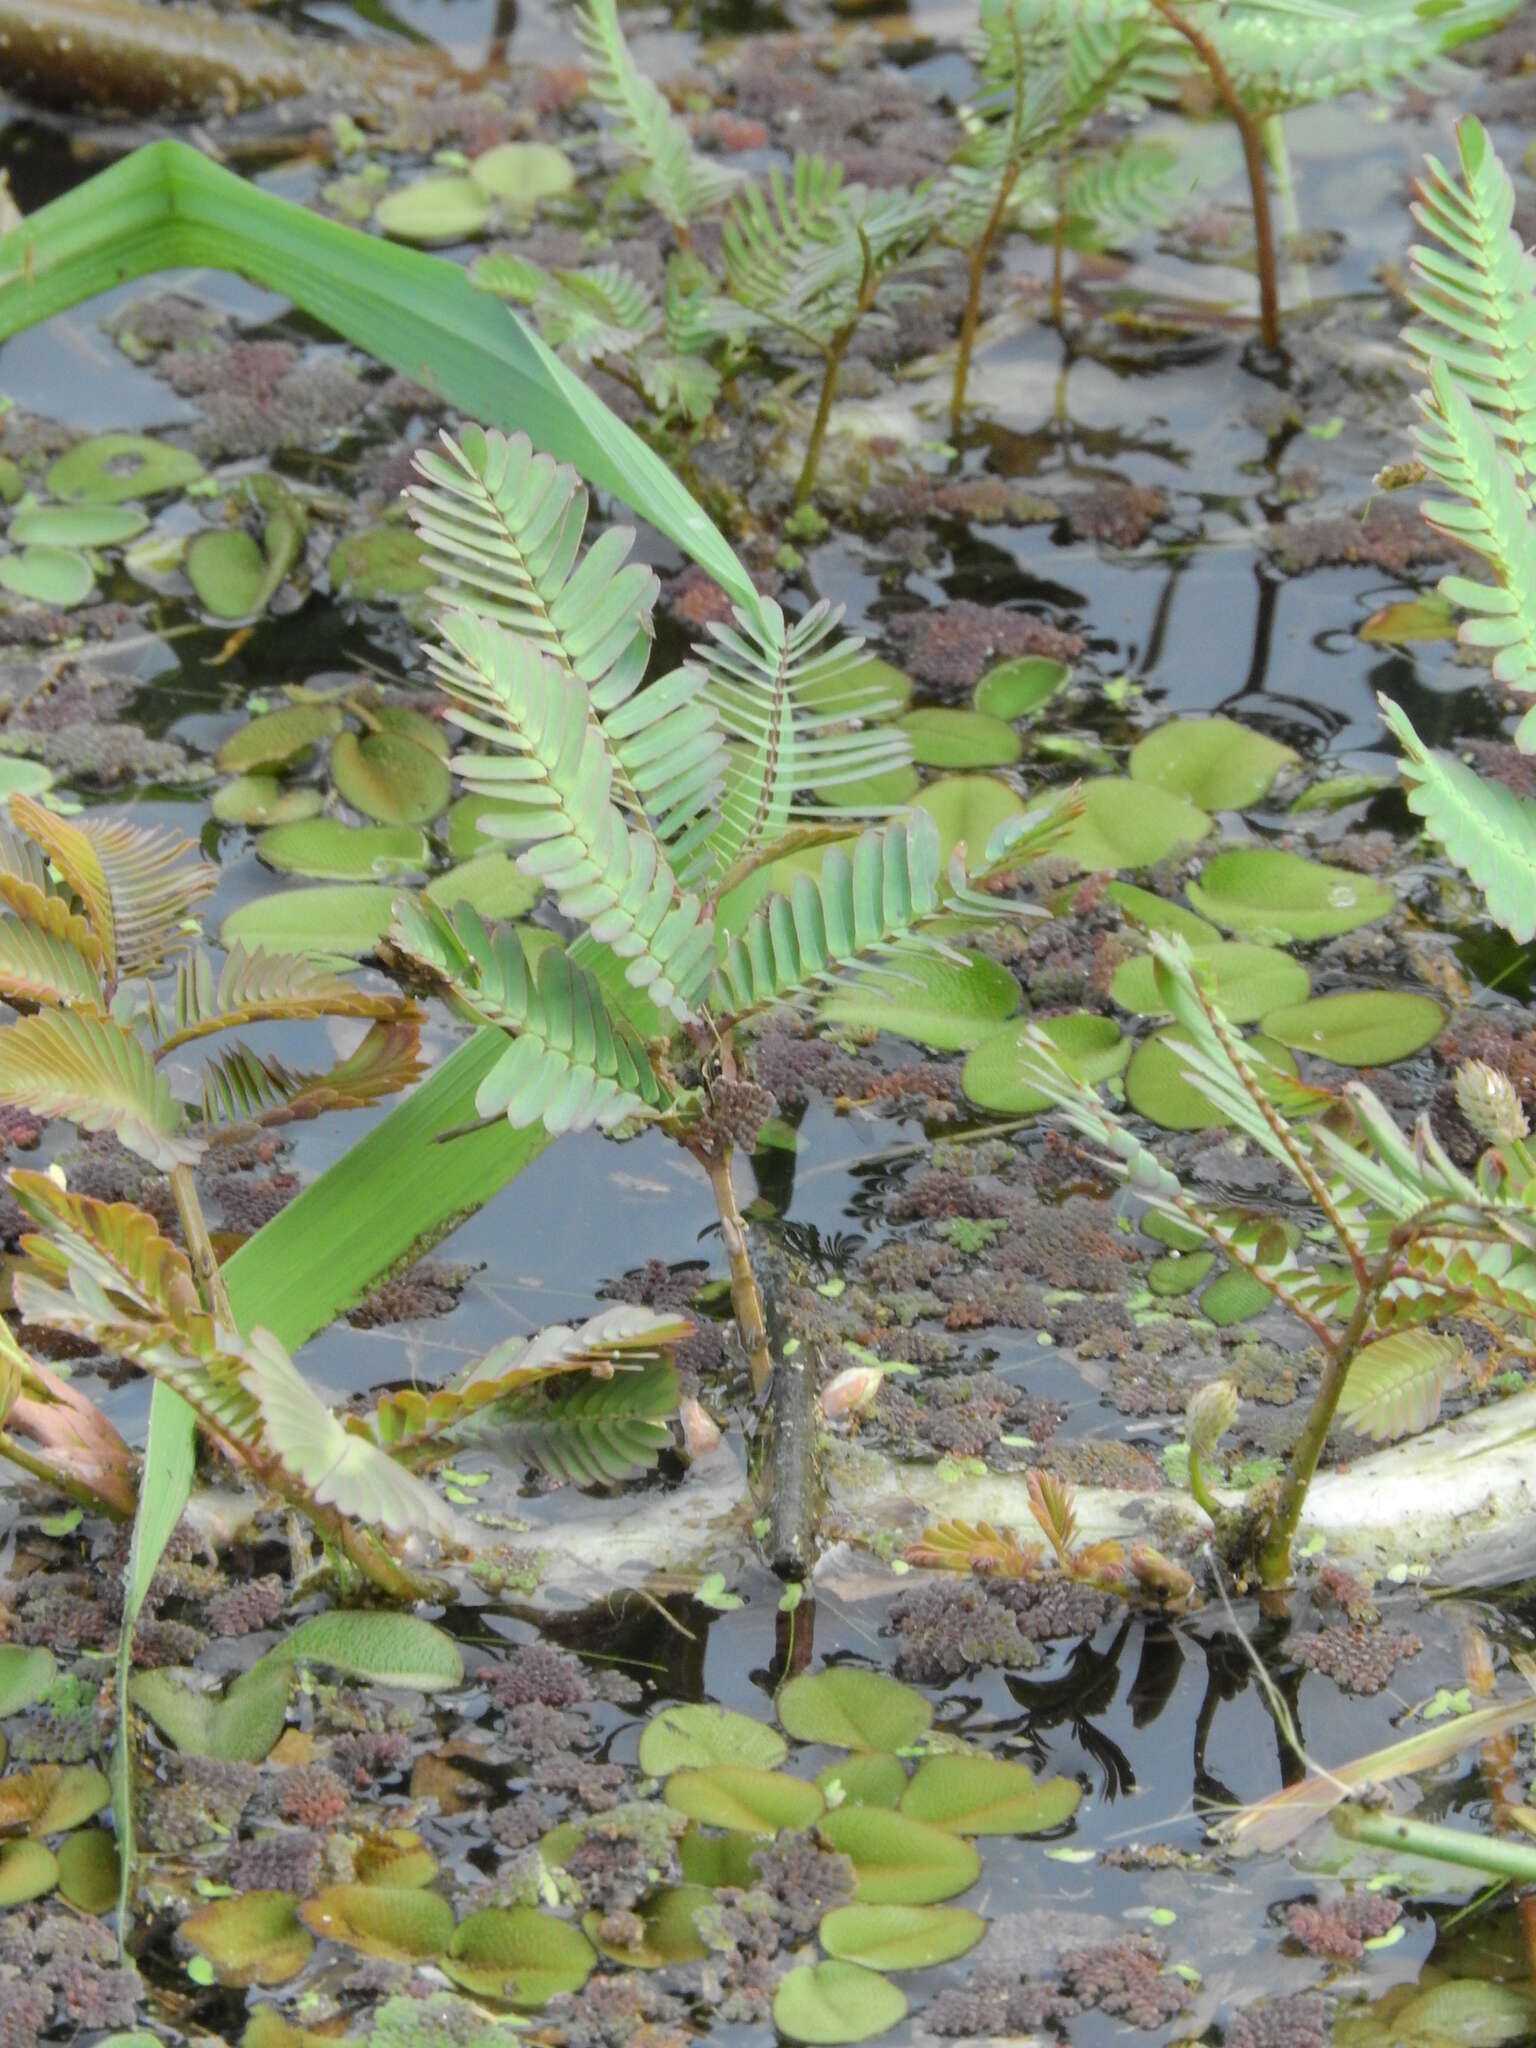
{"x":166,"y":207}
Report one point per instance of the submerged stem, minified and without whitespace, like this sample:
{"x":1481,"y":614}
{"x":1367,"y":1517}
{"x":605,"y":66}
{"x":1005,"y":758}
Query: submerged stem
{"x":1250,"y":129}
{"x":1395,"y":1831}
{"x":746,"y":1299}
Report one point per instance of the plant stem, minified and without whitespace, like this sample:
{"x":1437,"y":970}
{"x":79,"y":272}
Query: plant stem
{"x":1275,"y":1553}
{"x":746,"y":1300}
{"x":1203,"y":1497}
{"x":1250,"y":129}
{"x":78,"y":1490}
{"x":1277,"y":151}
{"x":832,"y":359}
{"x":194,"y":1228}
{"x":977,"y":258}
{"x":1501,"y":1858}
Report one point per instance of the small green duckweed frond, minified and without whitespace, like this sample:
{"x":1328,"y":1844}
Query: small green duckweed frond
{"x":572,"y":1064}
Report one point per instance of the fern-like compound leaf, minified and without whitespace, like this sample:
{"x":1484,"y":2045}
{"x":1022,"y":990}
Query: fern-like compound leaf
{"x":1395,"y":1385}
{"x":325,"y":1461}
{"x":1488,"y":831}
{"x":585,"y":1431}
{"x":27,"y":887}
{"x":137,"y":883}
{"x":87,"y":1068}
{"x":866,"y":903}
{"x":572,"y":1063}
{"x":253,"y":987}
{"x":614,"y":878}
{"x":677,"y":181}
{"x":244,"y":1087}
{"x":41,"y":966}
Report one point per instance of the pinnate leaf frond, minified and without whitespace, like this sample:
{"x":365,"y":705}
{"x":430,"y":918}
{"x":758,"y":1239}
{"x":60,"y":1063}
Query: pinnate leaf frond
{"x":137,"y":882}
{"x":1395,"y":1385}
{"x":617,"y":881}
{"x":1487,"y":830}
{"x":679,"y":182}
{"x":585,"y":1431}
{"x":41,"y":966}
{"x":74,"y":1064}
{"x":244,"y":1087}
{"x":572,"y":1063}
{"x":254,"y":987}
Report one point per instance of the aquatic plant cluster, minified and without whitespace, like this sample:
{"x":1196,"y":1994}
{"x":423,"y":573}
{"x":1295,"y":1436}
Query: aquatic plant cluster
{"x":693,"y":865}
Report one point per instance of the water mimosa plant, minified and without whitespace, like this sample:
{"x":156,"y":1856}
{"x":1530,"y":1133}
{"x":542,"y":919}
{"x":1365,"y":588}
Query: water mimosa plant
{"x":1402,"y":1239}
{"x":655,"y":812}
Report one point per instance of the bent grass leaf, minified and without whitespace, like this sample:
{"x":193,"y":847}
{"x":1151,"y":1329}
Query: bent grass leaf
{"x":400,"y":1923}
{"x":1395,"y":1386}
{"x":519,"y":1954}
{"x":849,"y":1708}
{"x":694,"y":1736}
{"x":986,"y":1795}
{"x":254,"y":1938}
{"x":899,"y":1861}
{"x":900,"y":1937}
{"x":836,"y":2001}
{"x":743,"y":1798}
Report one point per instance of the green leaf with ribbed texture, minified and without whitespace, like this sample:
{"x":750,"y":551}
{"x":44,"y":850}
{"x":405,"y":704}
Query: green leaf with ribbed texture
{"x":74,"y":1064}
{"x":1484,"y":828}
{"x":866,"y":902}
{"x":1395,"y":1386}
{"x":169,"y":207}
{"x":615,"y":880}
{"x":38,"y":966}
{"x":572,"y":1063}
{"x":588,"y":1432}
{"x":676,"y":180}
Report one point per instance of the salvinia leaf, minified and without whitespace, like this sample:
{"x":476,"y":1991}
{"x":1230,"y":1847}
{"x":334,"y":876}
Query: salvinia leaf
{"x":572,"y":1063}
{"x":74,"y":1064}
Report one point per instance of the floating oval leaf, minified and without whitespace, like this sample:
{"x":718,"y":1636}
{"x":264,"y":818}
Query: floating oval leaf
{"x":884,"y":792}
{"x":899,"y":1861}
{"x":262,"y":800}
{"x":415,"y":726}
{"x":25,"y":1677}
{"x":986,"y":1795}
{"x":1179,"y":1273}
{"x":111,"y":468}
{"x":1155,"y":1088}
{"x":1215,"y":762}
{"x":753,"y":1802}
{"x":1091,"y":1047}
{"x":1130,"y":825}
{"x":946,"y":738}
{"x":445,"y":208}
{"x":230,"y":574}
{"x":400,"y":1922}
{"x":868,"y":690}
{"x":388,"y":777}
{"x":1234,"y":1297}
{"x":491,"y":883}
{"x":1013,"y":689}
{"x":27,"y":1870}
{"x":853,"y":1709}
{"x":716,"y":1860}
{"x":521,"y":173}
{"x":255,"y":1938}
{"x":831,"y":2002}
{"x":671,"y":1929}
{"x":240,"y":1727}
{"x":327,"y":850}
{"x":469,"y":820}
{"x":1156,"y":914}
{"x":278,"y":737}
{"x":1265,"y":893}
{"x":77,"y":526}
{"x":947,"y":1004}
{"x":690,"y":1737}
{"x":968,"y":808}
{"x":334,"y":919}
{"x":74,"y":1794}
{"x":1243,"y":980}
{"x":900,"y":1937}
{"x":380,"y":562}
{"x":385,"y":1648}
{"x":519,"y":1954}
{"x":56,"y":576}
{"x":394,"y":1856}
{"x":88,"y":1870}
{"x":872,"y":1777}
{"x":1359,"y":1027}
{"x":24,"y":778}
